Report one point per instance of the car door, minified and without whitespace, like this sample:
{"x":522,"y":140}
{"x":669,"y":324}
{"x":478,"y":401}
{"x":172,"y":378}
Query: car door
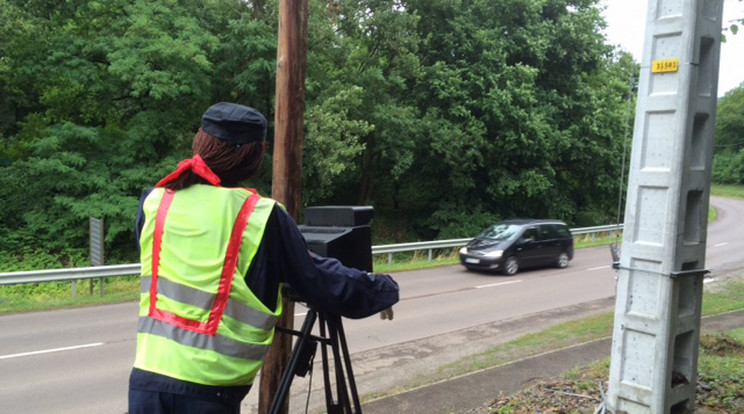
{"x":527,"y":247}
{"x":550,"y":243}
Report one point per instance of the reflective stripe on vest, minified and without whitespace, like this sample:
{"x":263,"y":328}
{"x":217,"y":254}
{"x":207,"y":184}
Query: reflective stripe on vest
{"x":217,"y":343}
{"x":200,"y":323}
{"x":228,"y":269}
{"x":203,"y":300}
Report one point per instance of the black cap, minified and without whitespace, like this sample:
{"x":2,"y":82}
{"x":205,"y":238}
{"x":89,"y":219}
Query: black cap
{"x":234,"y":123}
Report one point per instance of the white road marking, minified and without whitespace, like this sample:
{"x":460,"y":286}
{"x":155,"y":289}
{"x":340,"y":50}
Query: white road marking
{"x":720,"y":244}
{"x":597,"y":268}
{"x":47,"y":351}
{"x":498,"y":284}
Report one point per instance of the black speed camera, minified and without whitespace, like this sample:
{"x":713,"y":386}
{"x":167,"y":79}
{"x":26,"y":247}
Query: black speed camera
{"x":341,"y":232}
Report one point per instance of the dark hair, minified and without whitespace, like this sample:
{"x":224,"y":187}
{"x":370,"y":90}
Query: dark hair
{"x":232,"y":163}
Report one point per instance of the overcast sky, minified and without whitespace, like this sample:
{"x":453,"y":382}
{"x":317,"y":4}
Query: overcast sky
{"x":626,"y":20}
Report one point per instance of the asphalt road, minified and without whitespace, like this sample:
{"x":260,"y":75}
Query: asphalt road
{"x":78,"y":360}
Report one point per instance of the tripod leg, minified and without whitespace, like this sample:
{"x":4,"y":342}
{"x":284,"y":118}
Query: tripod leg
{"x":349,"y":371}
{"x":286,"y":381}
{"x":331,"y":406}
{"x":338,"y":364}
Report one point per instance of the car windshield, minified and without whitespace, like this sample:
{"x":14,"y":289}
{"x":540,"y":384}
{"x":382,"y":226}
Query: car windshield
{"x":500,"y":232}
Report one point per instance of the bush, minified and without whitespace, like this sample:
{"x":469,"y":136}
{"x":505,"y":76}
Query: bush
{"x":728,"y":167}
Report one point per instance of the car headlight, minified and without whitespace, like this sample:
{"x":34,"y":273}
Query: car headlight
{"x":494,"y":254}
{"x":464,"y":250}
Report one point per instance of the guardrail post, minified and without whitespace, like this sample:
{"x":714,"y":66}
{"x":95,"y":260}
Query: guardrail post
{"x":96,"y":247}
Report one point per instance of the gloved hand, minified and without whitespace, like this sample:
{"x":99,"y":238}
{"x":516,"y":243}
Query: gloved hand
{"x":387,"y":313}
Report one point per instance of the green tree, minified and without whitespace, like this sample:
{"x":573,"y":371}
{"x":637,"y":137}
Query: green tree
{"x":729,"y":131}
{"x":728,"y":159}
{"x":101,"y":98}
{"x":524,"y":103}
{"x":364,"y":58}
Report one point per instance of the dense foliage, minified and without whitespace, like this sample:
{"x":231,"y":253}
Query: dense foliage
{"x":443,"y":114}
{"x":728,"y":161}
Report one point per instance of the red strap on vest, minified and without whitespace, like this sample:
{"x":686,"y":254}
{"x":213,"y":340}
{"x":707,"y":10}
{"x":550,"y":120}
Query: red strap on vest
{"x":226,"y":278}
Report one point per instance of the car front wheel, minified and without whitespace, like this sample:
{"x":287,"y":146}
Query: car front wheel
{"x":511,"y":266}
{"x":563,"y":260}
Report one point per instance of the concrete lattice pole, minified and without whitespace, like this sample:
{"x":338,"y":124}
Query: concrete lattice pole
{"x":660,"y":283}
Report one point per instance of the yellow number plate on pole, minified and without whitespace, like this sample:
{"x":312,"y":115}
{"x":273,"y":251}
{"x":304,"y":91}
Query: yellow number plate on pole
{"x":663,"y":66}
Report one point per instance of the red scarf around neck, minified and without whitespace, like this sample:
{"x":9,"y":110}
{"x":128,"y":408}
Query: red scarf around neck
{"x":198,"y":166}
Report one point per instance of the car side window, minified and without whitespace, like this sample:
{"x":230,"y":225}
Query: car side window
{"x":547,"y":232}
{"x":530,"y":234}
{"x":563,"y":232}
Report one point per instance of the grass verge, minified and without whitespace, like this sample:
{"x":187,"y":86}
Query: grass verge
{"x":731,"y":191}
{"x":55,"y":295}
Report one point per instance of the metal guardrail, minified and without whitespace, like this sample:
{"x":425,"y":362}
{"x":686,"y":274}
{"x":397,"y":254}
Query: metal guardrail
{"x":596,"y":229}
{"x":408,"y":247}
{"x":37,"y":276}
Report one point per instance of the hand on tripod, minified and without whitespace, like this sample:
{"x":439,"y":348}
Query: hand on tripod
{"x":387,"y":314}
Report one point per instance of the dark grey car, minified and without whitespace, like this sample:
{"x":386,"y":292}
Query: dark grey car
{"x":510,"y":245}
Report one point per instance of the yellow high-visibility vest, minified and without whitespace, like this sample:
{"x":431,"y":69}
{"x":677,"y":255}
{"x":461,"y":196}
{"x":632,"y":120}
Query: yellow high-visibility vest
{"x":198,"y":320}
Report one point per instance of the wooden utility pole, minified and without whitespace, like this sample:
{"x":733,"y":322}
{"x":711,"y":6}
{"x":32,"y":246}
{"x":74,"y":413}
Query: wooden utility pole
{"x":287,"y":168}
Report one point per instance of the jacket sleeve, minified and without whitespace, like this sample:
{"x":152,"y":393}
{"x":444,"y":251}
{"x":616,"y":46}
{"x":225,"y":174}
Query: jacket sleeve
{"x":140,"y":220}
{"x":324,"y":283}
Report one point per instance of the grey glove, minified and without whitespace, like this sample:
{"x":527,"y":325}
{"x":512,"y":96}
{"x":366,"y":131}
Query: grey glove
{"x":387,"y":313}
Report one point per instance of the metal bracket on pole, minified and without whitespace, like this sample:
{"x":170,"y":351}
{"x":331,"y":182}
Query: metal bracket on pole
{"x":672,"y":275}
{"x":697,"y":272}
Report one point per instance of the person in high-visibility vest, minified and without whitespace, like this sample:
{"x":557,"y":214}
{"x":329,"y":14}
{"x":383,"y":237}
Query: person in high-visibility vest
{"x":214,"y":256}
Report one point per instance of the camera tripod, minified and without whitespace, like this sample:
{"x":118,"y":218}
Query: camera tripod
{"x":331,"y":334}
